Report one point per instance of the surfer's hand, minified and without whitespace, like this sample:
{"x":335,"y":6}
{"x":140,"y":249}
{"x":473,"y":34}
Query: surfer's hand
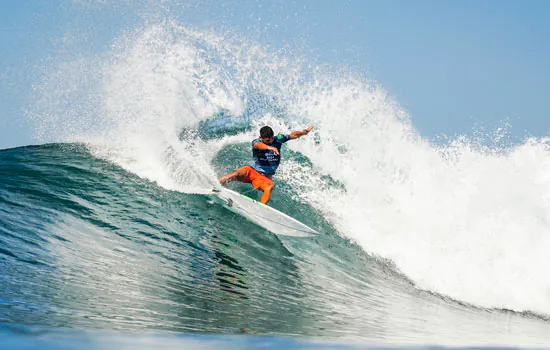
{"x":275,"y":150}
{"x":309,"y":129}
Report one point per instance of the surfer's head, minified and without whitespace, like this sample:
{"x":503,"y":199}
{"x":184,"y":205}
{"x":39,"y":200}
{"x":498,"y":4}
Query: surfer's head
{"x":266,"y":135}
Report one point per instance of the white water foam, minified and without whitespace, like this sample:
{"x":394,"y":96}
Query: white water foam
{"x":456,"y":218}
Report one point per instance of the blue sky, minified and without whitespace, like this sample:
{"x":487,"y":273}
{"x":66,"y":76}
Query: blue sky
{"x":451,"y":64}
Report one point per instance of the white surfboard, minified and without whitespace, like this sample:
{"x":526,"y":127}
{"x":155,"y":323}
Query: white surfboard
{"x":261,"y":214}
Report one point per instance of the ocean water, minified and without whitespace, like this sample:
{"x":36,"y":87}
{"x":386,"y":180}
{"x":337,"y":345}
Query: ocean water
{"x":107,"y":227}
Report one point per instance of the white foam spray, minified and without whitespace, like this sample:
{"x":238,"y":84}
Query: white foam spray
{"x":456,"y":218}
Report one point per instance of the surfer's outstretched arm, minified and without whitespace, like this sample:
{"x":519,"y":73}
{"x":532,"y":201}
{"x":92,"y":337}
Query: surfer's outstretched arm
{"x":297,"y":134}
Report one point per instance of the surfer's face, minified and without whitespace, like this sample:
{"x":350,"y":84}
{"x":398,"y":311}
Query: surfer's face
{"x":267,"y":140}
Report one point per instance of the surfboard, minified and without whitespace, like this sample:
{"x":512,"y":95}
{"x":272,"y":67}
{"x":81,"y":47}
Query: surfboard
{"x":262,"y":215}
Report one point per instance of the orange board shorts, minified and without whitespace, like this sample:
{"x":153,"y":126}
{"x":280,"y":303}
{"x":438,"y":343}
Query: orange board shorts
{"x":250,"y":175}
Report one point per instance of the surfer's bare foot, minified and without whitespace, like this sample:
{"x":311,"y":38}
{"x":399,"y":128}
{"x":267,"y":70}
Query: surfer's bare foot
{"x":225,"y":179}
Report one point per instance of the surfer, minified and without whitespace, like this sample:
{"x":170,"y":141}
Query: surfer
{"x":266,"y":152}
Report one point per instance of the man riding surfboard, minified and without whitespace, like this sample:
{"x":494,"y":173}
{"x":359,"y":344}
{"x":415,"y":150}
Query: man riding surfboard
{"x":266,"y":152}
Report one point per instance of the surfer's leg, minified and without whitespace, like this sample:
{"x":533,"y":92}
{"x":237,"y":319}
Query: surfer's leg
{"x":266,"y":186}
{"x":239,"y":175}
{"x":261,"y":182}
{"x":228,"y":178}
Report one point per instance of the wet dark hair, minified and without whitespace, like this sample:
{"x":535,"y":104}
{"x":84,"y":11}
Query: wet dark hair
{"x":266,"y":132}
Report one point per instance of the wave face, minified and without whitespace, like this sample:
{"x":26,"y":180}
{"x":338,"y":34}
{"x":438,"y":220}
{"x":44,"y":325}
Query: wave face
{"x":113,"y":228}
{"x":86,"y":244}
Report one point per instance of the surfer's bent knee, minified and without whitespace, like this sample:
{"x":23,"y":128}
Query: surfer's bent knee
{"x":268,"y":185}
